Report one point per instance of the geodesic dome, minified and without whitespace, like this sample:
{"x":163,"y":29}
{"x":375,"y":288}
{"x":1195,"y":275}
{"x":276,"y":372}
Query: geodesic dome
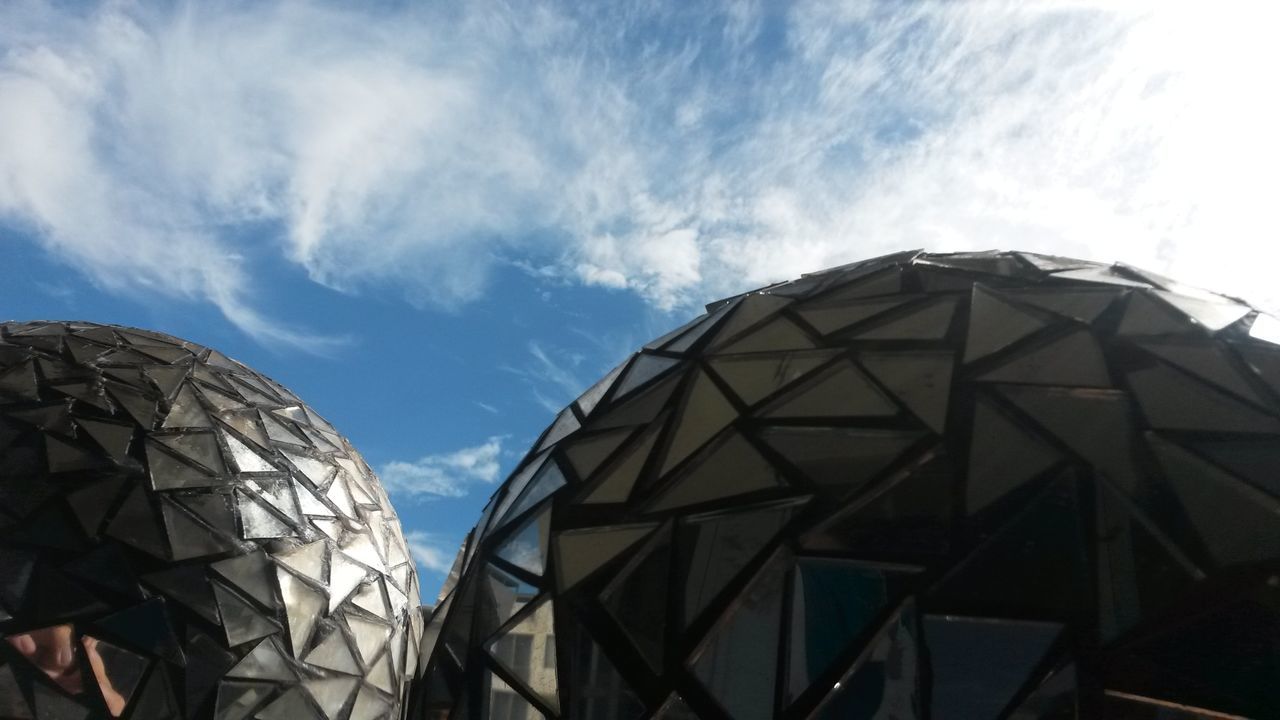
{"x":181,"y":537}
{"x":991,"y":485}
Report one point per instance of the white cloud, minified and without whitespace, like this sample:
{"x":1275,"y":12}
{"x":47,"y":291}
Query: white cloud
{"x":431,"y":551}
{"x":680,"y":152}
{"x":444,"y":474}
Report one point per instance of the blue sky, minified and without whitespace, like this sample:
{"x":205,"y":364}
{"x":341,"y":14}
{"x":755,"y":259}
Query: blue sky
{"x":437,"y":222}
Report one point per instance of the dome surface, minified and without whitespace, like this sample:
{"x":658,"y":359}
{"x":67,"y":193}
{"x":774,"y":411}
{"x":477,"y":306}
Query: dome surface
{"x":181,"y":537}
{"x":987,"y":485}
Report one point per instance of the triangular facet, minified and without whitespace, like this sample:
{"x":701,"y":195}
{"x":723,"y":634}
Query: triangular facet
{"x":705,"y":412}
{"x":1171,"y":400}
{"x":779,"y":333}
{"x":838,"y":459}
{"x":637,"y":598}
{"x":146,"y":627}
{"x":979,"y":665}
{"x":1072,"y":360}
{"x":620,"y":476}
{"x":582,"y":552}
{"x":241,"y":621}
{"x":729,"y":467}
{"x":828,"y":316}
{"x":840,"y":391}
{"x":995,"y":324}
{"x":537,"y":625}
{"x":921,"y":380}
{"x":1082,"y":305}
{"x":1095,"y":424}
{"x":757,"y":376}
{"x":586,"y":453}
{"x":1002,"y":457}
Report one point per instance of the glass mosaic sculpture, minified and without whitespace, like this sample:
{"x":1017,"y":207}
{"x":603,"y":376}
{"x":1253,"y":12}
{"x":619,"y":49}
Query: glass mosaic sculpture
{"x":977,"y":486}
{"x":181,"y":537}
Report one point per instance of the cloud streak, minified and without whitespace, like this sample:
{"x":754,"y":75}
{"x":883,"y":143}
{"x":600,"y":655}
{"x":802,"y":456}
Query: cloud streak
{"x":448,"y":474}
{"x":677,"y":152}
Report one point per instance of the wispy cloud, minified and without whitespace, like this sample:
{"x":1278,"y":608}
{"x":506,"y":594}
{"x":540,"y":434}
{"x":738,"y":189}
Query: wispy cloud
{"x":680,"y":151}
{"x":552,"y":374}
{"x":448,"y":474}
{"x":430,"y":550}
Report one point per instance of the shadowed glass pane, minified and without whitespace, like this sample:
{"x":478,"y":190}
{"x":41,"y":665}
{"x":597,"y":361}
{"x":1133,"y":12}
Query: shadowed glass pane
{"x":1074,"y":360}
{"x":995,"y":324}
{"x":979,"y":664}
{"x":886,"y":682}
{"x":841,"y":391}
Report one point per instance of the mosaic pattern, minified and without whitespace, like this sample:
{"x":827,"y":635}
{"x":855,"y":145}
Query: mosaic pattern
{"x":181,"y":537}
{"x":994,"y":485}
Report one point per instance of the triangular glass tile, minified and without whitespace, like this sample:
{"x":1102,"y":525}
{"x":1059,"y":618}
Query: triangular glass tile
{"x":1035,"y":563}
{"x":637,"y":598}
{"x":256,"y":520}
{"x":1172,"y":400}
{"x":360,"y":547}
{"x":222,"y":401}
{"x":728,"y":467}
{"x":581,"y":552}
{"x":833,"y":603}
{"x":597,"y":688}
{"x":536,"y":628}
{"x":265,"y":662}
{"x":643,"y":368}
{"x":658,"y":342}
{"x":840,"y":391}
{"x":105,"y":566}
{"x":292,"y":705}
{"x":1082,"y":305}
{"x":866,"y":284}
{"x":370,"y":637}
{"x":85,"y":392}
{"x":505,"y":595}
{"x":64,"y":456}
{"x":586,"y":453}
{"x":198,"y":448}
{"x":307,"y":560}
{"x":146,"y":627}
{"x":244,"y":459}
{"x":995,"y":324}
{"x":838,"y":459}
{"x":500,"y":702}
{"x":186,"y":411}
{"x":743,"y":649}
{"x":344,"y":577}
{"x":748,"y":311}
{"x":277,"y":432}
{"x":112,"y":437}
{"x":49,"y":527}
{"x":368,"y":706}
{"x":1074,"y":359}
{"x":1095,"y":424}
{"x":886,"y":682}
{"x":642,"y":408}
{"x":53,"y":596}
{"x":1055,"y":698}
{"x":251,"y":573}
{"x":515,"y":486}
{"x":371,"y":599}
{"x":1253,"y":459}
{"x":186,"y":585}
{"x":921,"y":380}
{"x":167,"y":378}
{"x":588,"y":400}
{"x":779,"y":333}
{"x":20,"y":382}
{"x":1137,"y":573}
{"x":15,"y":568}
{"x":757,"y":376}
{"x":828,"y":316}
{"x":1212,"y":315}
{"x":241,"y":621}
{"x":49,"y":703}
{"x":979,"y":664}
{"x":136,"y":523}
{"x":715,"y":547}
{"x":339,"y":495}
{"x":170,"y":473}
{"x":548,"y":480}
{"x":207,"y":662}
{"x":331,"y":694}
{"x":1100,"y":274}
{"x":141,"y":409}
{"x":1003,"y":456}
{"x":1053,"y":263}
{"x":1206,"y":361}
{"x":1147,"y":316}
{"x":527,"y":546}
{"x":1265,"y":328}
{"x":697,"y":332}
{"x":1236,"y":522}
{"x":927,"y":321}
{"x":620,"y":476}
{"x":303,"y":605}
{"x":236,"y":700}
{"x":188,"y":538}
{"x":333,"y":653}
{"x":565,"y":423}
{"x":704,"y":414}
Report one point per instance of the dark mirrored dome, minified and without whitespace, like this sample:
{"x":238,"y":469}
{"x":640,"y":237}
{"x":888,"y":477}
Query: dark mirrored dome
{"x":182,"y":537}
{"x":991,"y":485}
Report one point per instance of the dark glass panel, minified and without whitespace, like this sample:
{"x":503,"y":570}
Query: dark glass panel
{"x":779,"y":333}
{"x":241,"y":622}
{"x":516,"y":646}
{"x":994,"y":324}
{"x":1082,"y":305}
{"x":755,"y":377}
{"x":921,"y":380}
{"x":581,"y":552}
{"x":840,"y":391}
{"x":979,"y":664}
{"x":527,"y":545}
{"x":1254,"y":459}
{"x":739,"y":660}
{"x":886,"y":680}
{"x":1002,"y":457}
{"x":1209,"y":362}
{"x":643,"y":368}
{"x":750,"y":310}
{"x":637,"y":598}
{"x":1211,"y":314}
{"x":586,"y":453}
{"x":145,"y":627}
{"x":621,"y":475}
{"x":1147,"y":316}
{"x":838,"y":460}
{"x":1074,"y":359}
{"x":704,"y":414}
{"x":927,"y":321}
{"x":828,"y":316}
{"x":1172,"y":400}
{"x":730,"y":466}
{"x":598,"y":690}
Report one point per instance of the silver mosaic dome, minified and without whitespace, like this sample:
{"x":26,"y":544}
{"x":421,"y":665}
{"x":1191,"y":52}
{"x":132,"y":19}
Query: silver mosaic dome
{"x":181,"y":537}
